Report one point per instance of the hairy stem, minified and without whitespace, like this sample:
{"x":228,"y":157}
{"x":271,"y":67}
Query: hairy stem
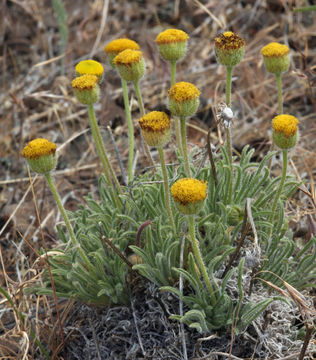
{"x":278,"y":194}
{"x":229,"y":71}
{"x":107,"y":167}
{"x":130,"y":131}
{"x":280,"y":100}
{"x":184,"y":146}
{"x":198,"y":257}
{"x":166,"y":186}
{"x":142,"y":112}
{"x":176,"y":119}
{"x":67,"y":222}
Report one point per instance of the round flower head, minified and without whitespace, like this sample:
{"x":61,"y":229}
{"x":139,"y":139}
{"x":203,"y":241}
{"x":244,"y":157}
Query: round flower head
{"x":91,"y":67}
{"x":229,"y":48}
{"x":40,"y":155}
{"x":130,"y":64}
{"x":155,"y":128}
{"x":276,"y":57}
{"x":285,"y":131}
{"x":86,"y":89}
{"x":172,"y":44}
{"x":114,"y":47}
{"x":183,"y":99}
{"x":189,"y":195}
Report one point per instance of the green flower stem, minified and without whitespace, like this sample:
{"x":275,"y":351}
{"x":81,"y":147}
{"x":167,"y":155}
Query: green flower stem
{"x":229,"y":70}
{"x":198,"y":257}
{"x":280,"y":109}
{"x":166,"y":186}
{"x":278,"y":194}
{"x":173,"y":72}
{"x":280,"y":100}
{"x":142,"y":112}
{"x":184,"y":146}
{"x":102,"y":154}
{"x":130,"y":131}
{"x":67,"y":222}
{"x":176,"y":120}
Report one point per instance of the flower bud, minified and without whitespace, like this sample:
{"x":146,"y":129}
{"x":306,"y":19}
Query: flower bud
{"x":135,"y":259}
{"x":114,"y":47}
{"x":285,"y":131}
{"x":130,"y":64}
{"x":172,"y":44}
{"x":235,"y":214}
{"x":156,"y":128}
{"x":189,"y":195}
{"x":40,"y":155}
{"x":86,"y":89}
{"x":90,"y":67}
{"x":229,"y":48}
{"x":183,"y":99}
{"x":276,"y":57}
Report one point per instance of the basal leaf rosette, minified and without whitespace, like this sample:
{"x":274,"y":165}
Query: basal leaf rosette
{"x":130,"y":64}
{"x":86,"y":89}
{"x":40,"y":155}
{"x":116,"y":46}
{"x":172,"y":44}
{"x":276,"y":57}
{"x":90,"y":67}
{"x":183,"y":99}
{"x":229,"y":48}
{"x":189,"y":195}
{"x":285,"y":129}
{"x":156,"y":128}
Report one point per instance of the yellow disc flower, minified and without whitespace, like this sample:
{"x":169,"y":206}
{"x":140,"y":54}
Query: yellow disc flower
{"x":40,"y":155}
{"x":130,"y":64}
{"x":285,"y":128}
{"x":183,"y":99}
{"x":172,"y":44}
{"x":276,"y":57}
{"x":116,"y":46}
{"x":90,"y":67}
{"x":86,"y":89}
{"x":156,"y":128}
{"x":189,"y":195}
{"x":229,"y":48}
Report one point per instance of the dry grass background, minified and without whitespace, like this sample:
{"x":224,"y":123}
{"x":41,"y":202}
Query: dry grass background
{"x":36,"y":101}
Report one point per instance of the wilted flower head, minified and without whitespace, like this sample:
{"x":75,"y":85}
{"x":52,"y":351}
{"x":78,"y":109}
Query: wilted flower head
{"x":229,"y":48}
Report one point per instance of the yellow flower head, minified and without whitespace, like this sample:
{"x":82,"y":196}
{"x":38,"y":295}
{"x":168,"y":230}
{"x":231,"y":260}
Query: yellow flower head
{"x":38,"y":148}
{"x":189,"y":195}
{"x":84,"y":82}
{"x":183,"y":99}
{"x":171,"y":36}
{"x":275,"y":49}
{"x":130,"y":64}
{"x":285,"y":124}
{"x":91,"y":67}
{"x":285,"y":131}
{"x":155,"y":121}
{"x":189,"y":191}
{"x":86,"y":89}
{"x":128,"y":57}
{"x":183,"y":91}
{"x":41,"y":155}
{"x":229,"y":41}
{"x":155,"y":128}
{"x":118,"y":45}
